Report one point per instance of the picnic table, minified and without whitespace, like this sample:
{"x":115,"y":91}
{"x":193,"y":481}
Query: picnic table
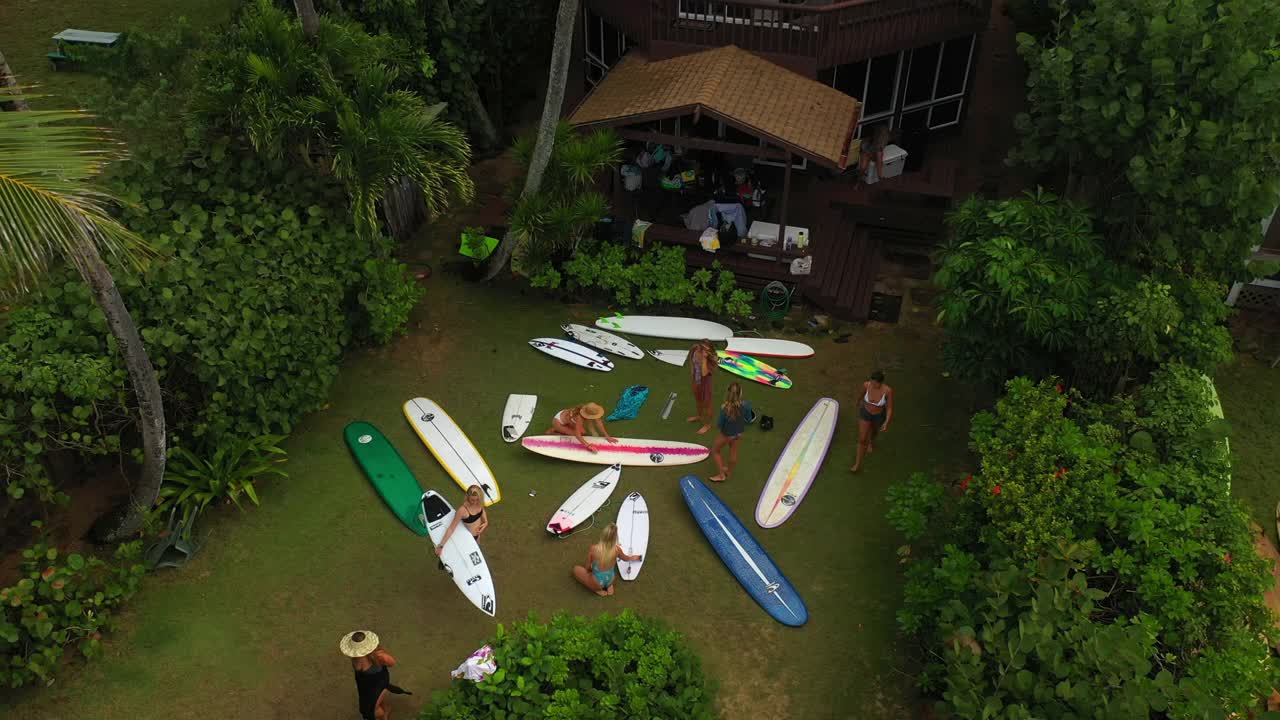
{"x":72,"y":37}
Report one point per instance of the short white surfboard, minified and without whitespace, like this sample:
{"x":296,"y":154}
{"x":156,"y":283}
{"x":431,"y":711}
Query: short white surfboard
{"x":573,"y":353}
{"x":585,"y":501}
{"x":675,"y":357}
{"x":767,"y":347}
{"x":633,"y":534}
{"x":601,"y":340}
{"x":517,"y":415}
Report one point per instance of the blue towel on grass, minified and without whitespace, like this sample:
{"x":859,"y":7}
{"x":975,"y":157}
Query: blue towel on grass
{"x":630,"y":402}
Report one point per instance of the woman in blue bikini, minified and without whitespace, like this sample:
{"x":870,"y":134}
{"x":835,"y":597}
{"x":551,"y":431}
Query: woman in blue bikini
{"x":874,"y":413}
{"x":601,"y":570}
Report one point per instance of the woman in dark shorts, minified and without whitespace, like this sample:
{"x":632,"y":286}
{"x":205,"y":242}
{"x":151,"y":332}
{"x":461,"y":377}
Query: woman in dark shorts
{"x":735,"y":414}
{"x":373,"y":679}
{"x":702,"y":362}
{"x":875,"y":410}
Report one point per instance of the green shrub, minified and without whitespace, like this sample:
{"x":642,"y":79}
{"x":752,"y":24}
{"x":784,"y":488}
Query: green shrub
{"x":193,"y":483}
{"x":390,"y":294}
{"x":658,"y":276}
{"x":613,"y":666}
{"x":61,"y":601}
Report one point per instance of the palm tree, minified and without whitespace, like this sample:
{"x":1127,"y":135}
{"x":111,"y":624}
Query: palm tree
{"x":9,"y":87}
{"x":541,"y":157}
{"x":308,"y":17}
{"x":50,"y":209}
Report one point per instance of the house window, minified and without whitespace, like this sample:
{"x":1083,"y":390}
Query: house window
{"x":605,"y":46}
{"x":920,"y":88}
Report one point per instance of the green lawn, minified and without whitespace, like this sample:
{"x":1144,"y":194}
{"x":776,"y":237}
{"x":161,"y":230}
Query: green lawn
{"x":250,"y":629}
{"x":27,"y":25}
{"x":1250,"y":392}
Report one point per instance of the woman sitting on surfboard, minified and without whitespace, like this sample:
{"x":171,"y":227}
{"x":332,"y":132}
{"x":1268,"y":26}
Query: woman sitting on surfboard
{"x":702,"y":362}
{"x":573,"y":422}
{"x":373,"y":679}
{"x":875,"y":410}
{"x":735,"y":413}
{"x":472,"y":514}
{"x":602,"y":563}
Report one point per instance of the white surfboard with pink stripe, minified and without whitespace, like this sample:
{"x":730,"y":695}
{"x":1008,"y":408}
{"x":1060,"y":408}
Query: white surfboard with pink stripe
{"x":627,"y":451}
{"x":584,"y":501}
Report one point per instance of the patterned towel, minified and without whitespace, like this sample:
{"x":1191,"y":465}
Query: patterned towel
{"x":630,"y":402}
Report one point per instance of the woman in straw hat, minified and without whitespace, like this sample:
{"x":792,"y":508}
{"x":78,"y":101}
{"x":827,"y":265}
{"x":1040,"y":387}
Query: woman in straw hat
{"x":373,"y":679}
{"x":573,"y":422}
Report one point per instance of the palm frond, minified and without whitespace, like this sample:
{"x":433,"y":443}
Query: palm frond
{"x":48,"y":206}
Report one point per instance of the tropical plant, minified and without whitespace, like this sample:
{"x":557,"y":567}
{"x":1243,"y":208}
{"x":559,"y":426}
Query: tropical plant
{"x":231,"y":470}
{"x":48,"y":160}
{"x":548,"y":126}
{"x":575,"y":668}
{"x":1165,"y":116}
{"x":61,"y":600}
{"x":388,"y":297}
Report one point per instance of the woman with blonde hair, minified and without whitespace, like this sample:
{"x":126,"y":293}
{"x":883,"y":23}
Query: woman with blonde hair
{"x":373,"y":679}
{"x":573,"y":422}
{"x":471,"y":513}
{"x":735,"y":413}
{"x":702,"y":362}
{"x":601,"y":570}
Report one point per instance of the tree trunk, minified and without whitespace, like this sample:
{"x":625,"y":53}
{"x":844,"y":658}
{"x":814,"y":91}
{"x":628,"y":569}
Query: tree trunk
{"x":481,"y":122}
{"x":546,"y":127}
{"x":145,"y":385}
{"x":9,"y":82}
{"x":310,"y":20}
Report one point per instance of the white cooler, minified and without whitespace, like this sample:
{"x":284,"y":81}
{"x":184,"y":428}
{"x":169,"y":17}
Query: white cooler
{"x":894,"y":160}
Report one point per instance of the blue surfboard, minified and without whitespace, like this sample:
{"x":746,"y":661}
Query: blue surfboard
{"x":744,"y":557}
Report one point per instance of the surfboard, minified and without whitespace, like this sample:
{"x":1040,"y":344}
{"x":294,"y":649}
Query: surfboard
{"x":767,"y":347}
{"x":451,"y":447}
{"x":601,"y":340}
{"x":752,"y":369}
{"x":626,"y":451}
{"x":677,"y":328}
{"x":744,"y":557}
{"x":675,"y":357}
{"x":798,"y":465}
{"x":390,"y":476}
{"x":573,"y":353}
{"x":633,"y":534}
{"x":517,"y":415}
{"x":460,"y":556}
{"x":585,"y":501}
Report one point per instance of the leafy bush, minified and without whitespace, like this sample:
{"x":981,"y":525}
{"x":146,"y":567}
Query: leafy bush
{"x":658,"y":276}
{"x":388,"y":297}
{"x":61,"y":601}
{"x":614,"y":666}
{"x":1077,"y":576}
{"x":193,"y":483}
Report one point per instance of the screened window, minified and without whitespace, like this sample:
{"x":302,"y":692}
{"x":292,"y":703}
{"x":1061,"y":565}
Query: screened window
{"x":605,"y":46}
{"x":912,"y":89}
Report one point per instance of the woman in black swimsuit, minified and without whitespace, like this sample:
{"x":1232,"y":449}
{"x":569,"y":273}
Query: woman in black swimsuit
{"x":373,"y":679}
{"x":472,"y":514}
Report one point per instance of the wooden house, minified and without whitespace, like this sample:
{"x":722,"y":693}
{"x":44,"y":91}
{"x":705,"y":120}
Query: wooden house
{"x":785,"y":93}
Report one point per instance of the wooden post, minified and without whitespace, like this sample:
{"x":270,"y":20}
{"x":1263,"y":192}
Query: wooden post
{"x":782,"y":214}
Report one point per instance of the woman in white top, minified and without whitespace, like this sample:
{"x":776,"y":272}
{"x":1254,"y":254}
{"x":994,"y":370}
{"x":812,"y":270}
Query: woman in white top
{"x":573,"y":422}
{"x":875,"y":410}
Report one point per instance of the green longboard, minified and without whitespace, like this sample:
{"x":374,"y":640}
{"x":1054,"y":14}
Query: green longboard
{"x":388,"y":473}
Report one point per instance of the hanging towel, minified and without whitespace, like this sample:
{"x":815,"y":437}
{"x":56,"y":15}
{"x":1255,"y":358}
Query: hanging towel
{"x":735,"y":213}
{"x":630,"y":402}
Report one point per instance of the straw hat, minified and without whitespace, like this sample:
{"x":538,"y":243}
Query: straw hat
{"x":359,"y":643}
{"x":592,"y":411}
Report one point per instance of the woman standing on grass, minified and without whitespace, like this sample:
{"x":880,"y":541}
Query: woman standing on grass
{"x":472,"y":514}
{"x":601,"y":570}
{"x":573,"y":422}
{"x":874,"y":413}
{"x":373,"y":678}
{"x":702,"y":362}
{"x":735,"y":413}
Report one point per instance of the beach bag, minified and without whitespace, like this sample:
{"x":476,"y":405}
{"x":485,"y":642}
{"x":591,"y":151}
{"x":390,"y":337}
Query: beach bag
{"x":477,"y":665}
{"x":766,"y":422}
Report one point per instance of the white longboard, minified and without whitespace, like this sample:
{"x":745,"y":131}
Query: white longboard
{"x":675,"y":357}
{"x":517,"y":415}
{"x":633,"y":534}
{"x":626,"y":451}
{"x":451,"y":447}
{"x":584,"y":501}
{"x":798,"y":465}
{"x":461,"y":556}
{"x":766,"y":347}
{"x":602,"y":340}
{"x":677,"y":328}
{"x":573,"y":353}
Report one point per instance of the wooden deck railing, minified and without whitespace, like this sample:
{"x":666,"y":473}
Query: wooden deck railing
{"x":830,"y":34}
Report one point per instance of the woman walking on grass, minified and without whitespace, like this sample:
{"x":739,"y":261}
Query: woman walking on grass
{"x":601,"y":570}
{"x":472,"y":514}
{"x":702,"y":362}
{"x":573,"y":422}
{"x":373,"y":678}
{"x":735,"y":413}
{"x":874,"y":413}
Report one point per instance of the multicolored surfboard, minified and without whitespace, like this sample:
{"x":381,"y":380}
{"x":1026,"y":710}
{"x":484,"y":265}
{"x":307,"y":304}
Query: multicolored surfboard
{"x":753,"y":369}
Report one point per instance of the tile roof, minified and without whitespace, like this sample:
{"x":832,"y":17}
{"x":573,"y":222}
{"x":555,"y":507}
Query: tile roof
{"x":760,"y":97}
